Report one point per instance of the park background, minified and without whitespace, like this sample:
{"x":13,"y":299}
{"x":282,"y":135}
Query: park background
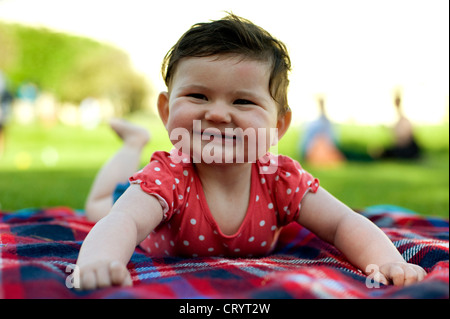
{"x":93,"y":60}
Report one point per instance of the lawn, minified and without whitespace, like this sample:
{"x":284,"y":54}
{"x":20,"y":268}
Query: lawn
{"x":54,"y":166}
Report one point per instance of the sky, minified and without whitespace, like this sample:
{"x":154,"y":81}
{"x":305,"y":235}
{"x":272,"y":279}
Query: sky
{"x":355,"y":53}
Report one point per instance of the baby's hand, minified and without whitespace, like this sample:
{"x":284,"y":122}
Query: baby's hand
{"x":103,"y":274}
{"x":401,"y":273}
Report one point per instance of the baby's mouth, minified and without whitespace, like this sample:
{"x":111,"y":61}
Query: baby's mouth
{"x":210,"y":135}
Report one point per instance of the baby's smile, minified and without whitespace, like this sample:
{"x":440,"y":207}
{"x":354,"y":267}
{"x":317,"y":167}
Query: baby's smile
{"x":211,"y":134}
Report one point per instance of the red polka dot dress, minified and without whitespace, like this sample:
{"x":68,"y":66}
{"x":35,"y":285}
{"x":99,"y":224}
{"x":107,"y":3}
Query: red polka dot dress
{"x":188,"y":227}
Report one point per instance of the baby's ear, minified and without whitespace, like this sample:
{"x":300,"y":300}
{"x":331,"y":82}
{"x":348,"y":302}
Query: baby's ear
{"x":163,"y":107}
{"x":283,"y":123}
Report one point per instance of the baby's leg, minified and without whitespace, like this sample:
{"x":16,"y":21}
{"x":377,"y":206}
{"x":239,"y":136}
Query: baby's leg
{"x":117,"y":170}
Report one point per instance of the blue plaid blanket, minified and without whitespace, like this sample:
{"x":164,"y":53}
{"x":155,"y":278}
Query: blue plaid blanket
{"x":38,"y":249}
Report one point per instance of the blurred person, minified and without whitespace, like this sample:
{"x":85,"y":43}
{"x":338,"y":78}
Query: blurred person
{"x":5,"y":109}
{"x":405,"y":145}
{"x":224,"y":74}
{"x":24,"y":109}
{"x":320,"y":143}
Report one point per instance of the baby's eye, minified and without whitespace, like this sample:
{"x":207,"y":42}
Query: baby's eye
{"x":197,"y":96}
{"x":243,"y":102}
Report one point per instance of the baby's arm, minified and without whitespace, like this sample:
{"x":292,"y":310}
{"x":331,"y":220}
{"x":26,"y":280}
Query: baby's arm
{"x":361,"y":241}
{"x":111,"y":242}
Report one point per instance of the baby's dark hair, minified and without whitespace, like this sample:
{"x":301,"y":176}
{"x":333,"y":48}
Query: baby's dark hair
{"x":234,"y":35}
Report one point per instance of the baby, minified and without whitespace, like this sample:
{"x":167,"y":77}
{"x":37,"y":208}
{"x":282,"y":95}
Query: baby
{"x":220,"y":192}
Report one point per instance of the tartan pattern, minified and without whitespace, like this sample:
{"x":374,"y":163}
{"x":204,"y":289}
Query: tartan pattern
{"x":38,"y":248}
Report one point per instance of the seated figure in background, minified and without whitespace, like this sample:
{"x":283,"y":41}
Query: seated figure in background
{"x":319,"y":145}
{"x":405,"y":145}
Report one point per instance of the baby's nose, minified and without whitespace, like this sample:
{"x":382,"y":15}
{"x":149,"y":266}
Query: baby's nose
{"x":218,"y":112}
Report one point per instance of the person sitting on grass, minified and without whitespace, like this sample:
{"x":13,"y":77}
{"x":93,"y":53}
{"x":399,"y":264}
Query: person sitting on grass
{"x":219,"y":192}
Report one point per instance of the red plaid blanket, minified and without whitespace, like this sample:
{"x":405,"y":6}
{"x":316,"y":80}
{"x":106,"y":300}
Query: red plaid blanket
{"x":38,"y":249}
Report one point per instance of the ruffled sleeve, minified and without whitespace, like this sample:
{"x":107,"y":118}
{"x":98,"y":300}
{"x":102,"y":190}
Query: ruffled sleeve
{"x":164,"y":179}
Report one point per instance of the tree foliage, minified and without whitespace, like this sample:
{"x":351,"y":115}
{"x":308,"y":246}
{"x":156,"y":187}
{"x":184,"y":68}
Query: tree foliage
{"x":70,"y":67}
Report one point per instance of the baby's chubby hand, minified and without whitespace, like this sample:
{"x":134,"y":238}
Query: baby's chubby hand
{"x":103,"y":274}
{"x":399,"y":273}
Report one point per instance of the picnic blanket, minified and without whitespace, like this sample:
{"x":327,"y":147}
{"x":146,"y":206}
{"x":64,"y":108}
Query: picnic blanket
{"x":39,"y":247}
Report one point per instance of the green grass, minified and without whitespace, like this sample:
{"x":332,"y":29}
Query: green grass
{"x":55,"y":166}
{"x":420,"y":185}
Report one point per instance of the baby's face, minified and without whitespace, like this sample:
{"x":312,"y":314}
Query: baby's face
{"x":224,"y":103}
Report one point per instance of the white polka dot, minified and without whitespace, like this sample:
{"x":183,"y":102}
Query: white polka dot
{"x":309,"y":183}
{"x":177,"y":180}
{"x":210,"y":249}
{"x":251,"y":239}
{"x":157,"y":169}
{"x":297,"y":189}
{"x":288,"y":191}
{"x":288,"y":174}
{"x":185,"y":173}
{"x":180,"y":197}
{"x":162,"y":237}
{"x":188,"y":189}
{"x":158,"y":182}
{"x":270,"y":205}
{"x":273,"y":228}
{"x":186,"y":243}
{"x":201,"y":237}
{"x":156,"y":245}
{"x":173,"y":165}
{"x":173,"y":186}
{"x":194,"y":255}
{"x":172,"y":243}
{"x":237,"y":250}
{"x":193,"y":221}
{"x":262,"y":223}
{"x":277,"y":178}
{"x":263,"y":180}
{"x":257,"y":197}
{"x":264,"y":243}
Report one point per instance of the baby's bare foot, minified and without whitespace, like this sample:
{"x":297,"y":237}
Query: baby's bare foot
{"x":131,"y":134}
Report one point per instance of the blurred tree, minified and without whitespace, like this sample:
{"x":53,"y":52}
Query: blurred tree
{"x":70,"y":67}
